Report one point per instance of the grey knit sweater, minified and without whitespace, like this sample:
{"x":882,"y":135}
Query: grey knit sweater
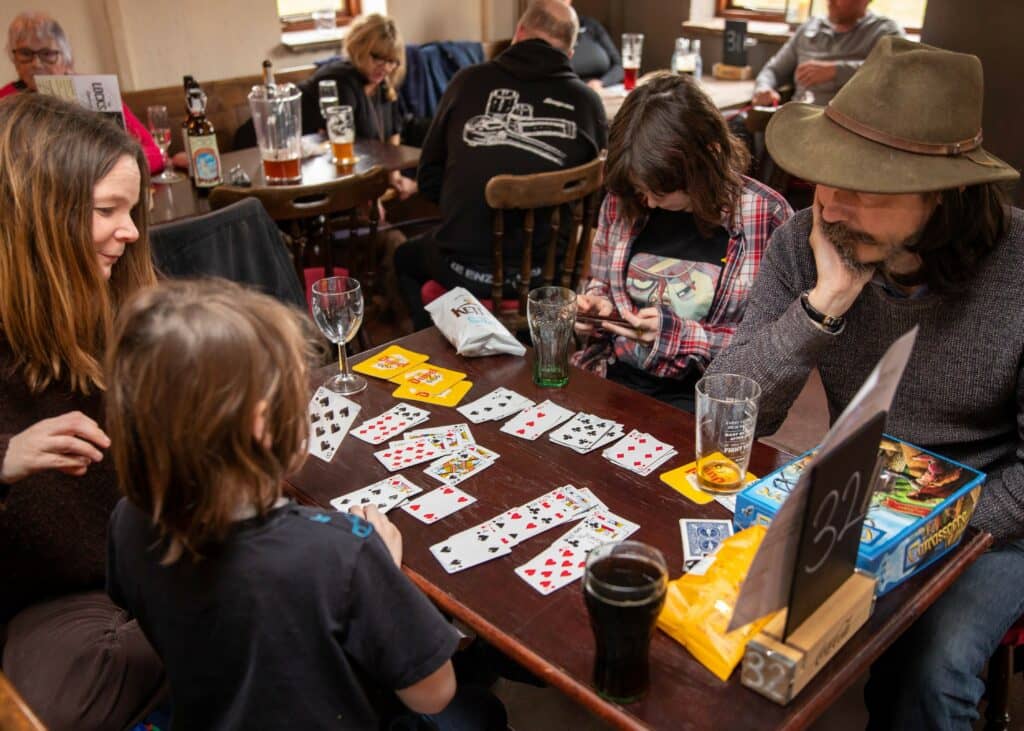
{"x":962,"y":394}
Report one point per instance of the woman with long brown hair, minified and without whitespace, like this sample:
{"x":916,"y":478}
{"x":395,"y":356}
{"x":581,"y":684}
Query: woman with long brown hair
{"x":73,"y":246}
{"x":680,"y":238}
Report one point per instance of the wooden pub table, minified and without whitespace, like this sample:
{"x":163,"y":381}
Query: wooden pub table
{"x":182,"y":199}
{"x":551,"y":635}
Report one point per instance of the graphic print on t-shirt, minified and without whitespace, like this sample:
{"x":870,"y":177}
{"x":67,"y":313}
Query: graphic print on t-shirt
{"x":685,"y":287}
{"x":508,"y":122}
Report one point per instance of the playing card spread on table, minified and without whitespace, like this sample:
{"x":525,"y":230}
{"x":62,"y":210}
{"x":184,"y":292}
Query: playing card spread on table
{"x":494,"y":406}
{"x":408,"y":453}
{"x":582,"y":432}
{"x":458,"y":466}
{"x":469,"y":548}
{"x":330,"y":417}
{"x":393,"y":421}
{"x":385,"y":494}
{"x":429,"y":379}
{"x":532,"y":422}
{"x":639,"y":452}
{"x":390,"y":362}
{"x":437,"y":504}
{"x":561,"y":505}
{"x":703,"y":537}
{"x":451,"y":397}
{"x":565,"y":560}
{"x":448,"y":437}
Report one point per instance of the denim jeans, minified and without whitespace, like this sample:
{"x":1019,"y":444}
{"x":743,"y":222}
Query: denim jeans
{"x":930,"y":677}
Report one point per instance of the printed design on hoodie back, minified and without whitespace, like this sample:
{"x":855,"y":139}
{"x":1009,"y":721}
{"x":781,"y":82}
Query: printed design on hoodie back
{"x":508,"y":122}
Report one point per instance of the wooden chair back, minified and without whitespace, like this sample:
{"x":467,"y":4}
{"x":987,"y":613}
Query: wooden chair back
{"x":315,"y":212}
{"x":575,"y":192}
{"x":15,"y":715}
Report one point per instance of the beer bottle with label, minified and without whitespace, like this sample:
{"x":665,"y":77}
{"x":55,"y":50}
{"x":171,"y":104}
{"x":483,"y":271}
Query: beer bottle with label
{"x":200,"y":140}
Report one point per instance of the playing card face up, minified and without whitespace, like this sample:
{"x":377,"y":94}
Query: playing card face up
{"x":565,"y":560}
{"x":330,"y":417}
{"x":639,"y":452}
{"x":391,"y":423}
{"x":532,"y":422}
{"x":470,"y":548}
{"x":437,"y":504}
{"x":583,"y":432}
{"x":385,"y":494}
{"x":498,"y":404}
{"x":408,"y":453}
{"x":390,"y":362}
{"x":453,"y":468}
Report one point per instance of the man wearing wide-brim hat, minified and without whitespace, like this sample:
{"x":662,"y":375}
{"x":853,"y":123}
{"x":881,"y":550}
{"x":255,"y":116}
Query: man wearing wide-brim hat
{"x":908,"y":227}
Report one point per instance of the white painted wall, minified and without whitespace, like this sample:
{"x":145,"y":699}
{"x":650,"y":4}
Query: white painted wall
{"x":153,"y":43}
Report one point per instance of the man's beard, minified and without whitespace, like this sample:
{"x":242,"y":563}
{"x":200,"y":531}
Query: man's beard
{"x":845,"y":240}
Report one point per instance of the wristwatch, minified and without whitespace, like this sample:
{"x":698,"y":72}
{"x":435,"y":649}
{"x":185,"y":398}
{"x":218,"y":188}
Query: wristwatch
{"x":832,"y":325}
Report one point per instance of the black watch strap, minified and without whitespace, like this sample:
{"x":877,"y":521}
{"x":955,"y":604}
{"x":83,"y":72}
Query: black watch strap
{"x":833,"y":325}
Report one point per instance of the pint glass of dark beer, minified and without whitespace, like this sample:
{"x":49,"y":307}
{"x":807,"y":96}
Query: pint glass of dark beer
{"x":624,"y":588}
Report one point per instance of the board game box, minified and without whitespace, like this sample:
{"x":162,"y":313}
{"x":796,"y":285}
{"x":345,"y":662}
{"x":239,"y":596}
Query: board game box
{"x":919,"y":511}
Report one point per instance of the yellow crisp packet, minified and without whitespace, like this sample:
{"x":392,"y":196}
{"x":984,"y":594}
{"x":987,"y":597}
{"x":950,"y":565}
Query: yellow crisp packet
{"x":431,"y":379}
{"x":684,"y":481}
{"x":451,"y":397}
{"x":389,"y":362}
{"x":698,"y":607}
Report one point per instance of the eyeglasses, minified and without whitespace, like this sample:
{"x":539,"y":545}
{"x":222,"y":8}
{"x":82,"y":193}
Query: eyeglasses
{"x":386,"y":60}
{"x":47,"y":55}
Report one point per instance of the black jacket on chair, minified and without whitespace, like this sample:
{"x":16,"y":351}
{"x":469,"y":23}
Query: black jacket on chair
{"x":240,"y":242}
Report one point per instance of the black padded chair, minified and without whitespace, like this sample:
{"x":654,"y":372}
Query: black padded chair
{"x":239,"y":242}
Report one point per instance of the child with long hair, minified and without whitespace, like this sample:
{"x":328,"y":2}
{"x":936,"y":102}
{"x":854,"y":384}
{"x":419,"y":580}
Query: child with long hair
{"x":266,"y":614}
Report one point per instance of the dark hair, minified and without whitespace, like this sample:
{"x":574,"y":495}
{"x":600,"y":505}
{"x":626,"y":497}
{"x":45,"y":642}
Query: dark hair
{"x":966,"y":225}
{"x":669,"y":136}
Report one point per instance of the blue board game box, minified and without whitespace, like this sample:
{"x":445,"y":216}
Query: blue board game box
{"x":918,"y":513}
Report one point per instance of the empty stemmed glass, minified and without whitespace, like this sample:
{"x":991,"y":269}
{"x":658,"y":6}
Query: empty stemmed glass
{"x":160,"y":128}
{"x":338,"y":312}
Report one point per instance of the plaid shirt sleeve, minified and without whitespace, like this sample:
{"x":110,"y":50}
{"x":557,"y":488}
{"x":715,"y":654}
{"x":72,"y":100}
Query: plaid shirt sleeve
{"x":682,"y":342}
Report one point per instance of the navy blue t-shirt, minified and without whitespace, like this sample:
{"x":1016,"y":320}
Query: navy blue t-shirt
{"x":280,"y":627}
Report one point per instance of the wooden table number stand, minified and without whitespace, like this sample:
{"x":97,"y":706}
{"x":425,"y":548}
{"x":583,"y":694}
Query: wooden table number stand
{"x":779,"y":669}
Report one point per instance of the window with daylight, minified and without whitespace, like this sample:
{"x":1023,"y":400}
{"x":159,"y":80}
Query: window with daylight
{"x":298,"y":14}
{"x":908,"y":13}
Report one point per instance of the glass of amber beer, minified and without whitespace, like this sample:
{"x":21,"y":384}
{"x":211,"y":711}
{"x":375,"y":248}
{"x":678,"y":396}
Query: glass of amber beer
{"x":341,"y":128}
{"x":726,"y":418}
{"x":277,"y":117}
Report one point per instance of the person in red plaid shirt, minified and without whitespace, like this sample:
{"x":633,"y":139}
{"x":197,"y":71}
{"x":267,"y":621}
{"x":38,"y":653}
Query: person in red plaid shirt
{"x":680,"y":239}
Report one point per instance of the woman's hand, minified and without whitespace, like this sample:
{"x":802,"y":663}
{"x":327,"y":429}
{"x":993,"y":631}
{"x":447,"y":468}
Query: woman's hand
{"x":387,"y":530}
{"x":67,"y":443}
{"x":646,"y":324}
{"x":587,"y":304}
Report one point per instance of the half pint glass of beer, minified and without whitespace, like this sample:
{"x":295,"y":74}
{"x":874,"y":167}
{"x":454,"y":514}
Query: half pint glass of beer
{"x":624,"y":589}
{"x":341,"y":128}
{"x":726,"y":418}
{"x":277,"y":117}
{"x":632,"y":50}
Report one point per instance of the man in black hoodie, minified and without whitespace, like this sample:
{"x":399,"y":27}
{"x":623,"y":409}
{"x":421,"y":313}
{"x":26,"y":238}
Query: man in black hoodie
{"x":478,"y":132}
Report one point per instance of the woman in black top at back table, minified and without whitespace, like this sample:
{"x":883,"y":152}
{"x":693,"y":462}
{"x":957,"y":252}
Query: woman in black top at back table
{"x":596,"y":58}
{"x":367,"y":82}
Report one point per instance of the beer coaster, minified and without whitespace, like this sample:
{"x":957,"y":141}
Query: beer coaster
{"x":684,"y":481}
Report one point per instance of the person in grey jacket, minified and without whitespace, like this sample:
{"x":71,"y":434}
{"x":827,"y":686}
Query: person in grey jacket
{"x":823,"y":53}
{"x":908,"y":227}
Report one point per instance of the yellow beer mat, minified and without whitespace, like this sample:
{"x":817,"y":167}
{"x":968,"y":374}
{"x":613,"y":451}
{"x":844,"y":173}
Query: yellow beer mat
{"x":432,"y":379}
{"x":451,"y":397}
{"x":684,"y":481}
{"x":389,"y":362}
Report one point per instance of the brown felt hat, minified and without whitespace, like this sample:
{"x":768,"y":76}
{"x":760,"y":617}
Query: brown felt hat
{"x":909,"y":121}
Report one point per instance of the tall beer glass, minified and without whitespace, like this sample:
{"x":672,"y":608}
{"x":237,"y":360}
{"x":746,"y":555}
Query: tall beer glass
{"x":551,"y":314}
{"x":632,"y":50}
{"x":624,"y":589}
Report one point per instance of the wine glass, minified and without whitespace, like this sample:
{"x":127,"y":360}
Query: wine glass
{"x":338,"y":311}
{"x":160,"y":128}
{"x":328,"y":90}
